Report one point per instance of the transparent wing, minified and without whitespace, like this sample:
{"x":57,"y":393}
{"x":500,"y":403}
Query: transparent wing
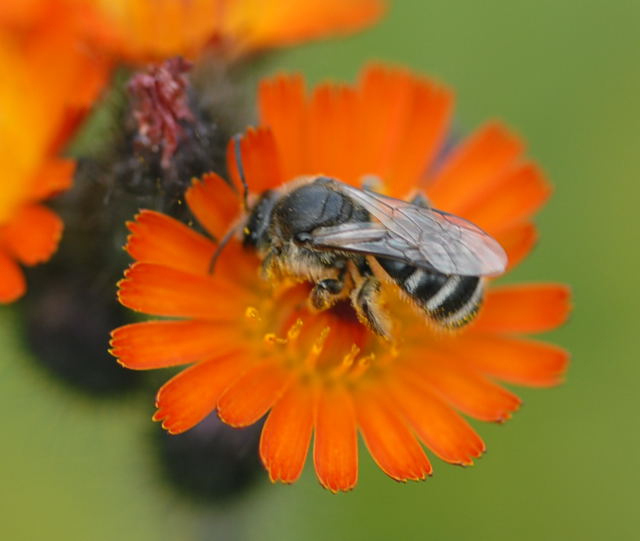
{"x":423,"y":237}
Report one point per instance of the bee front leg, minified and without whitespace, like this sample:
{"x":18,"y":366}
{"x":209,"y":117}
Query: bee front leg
{"x":327,"y":292}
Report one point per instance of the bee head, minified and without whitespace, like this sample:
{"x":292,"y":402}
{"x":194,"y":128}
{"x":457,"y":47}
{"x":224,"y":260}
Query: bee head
{"x":259,"y":219}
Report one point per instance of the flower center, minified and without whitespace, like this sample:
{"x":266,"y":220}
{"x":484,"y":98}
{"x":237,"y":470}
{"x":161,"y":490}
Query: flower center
{"x":330,"y":345}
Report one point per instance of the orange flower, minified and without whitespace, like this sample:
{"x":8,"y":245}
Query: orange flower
{"x":153,"y":30}
{"x":142,"y":31}
{"x":55,"y":56}
{"x":255,"y":347}
{"x":48,"y":84}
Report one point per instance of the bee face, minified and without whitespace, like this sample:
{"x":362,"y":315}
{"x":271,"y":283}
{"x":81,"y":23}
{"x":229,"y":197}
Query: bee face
{"x":342,"y":239}
{"x":259,"y":219}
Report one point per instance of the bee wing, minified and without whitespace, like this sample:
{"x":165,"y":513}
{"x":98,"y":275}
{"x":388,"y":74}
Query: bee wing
{"x":423,"y":237}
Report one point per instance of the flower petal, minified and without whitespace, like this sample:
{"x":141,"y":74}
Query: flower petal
{"x":162,"y":291}
{"x":54,"y":177}
{"x":439,"y":427}
{"x":395,"y":106}
{"x":421,"y":140}
{"x":143,"y":32}
{"x":516,"y":197}
{"x":287,"y":433}
{"x":518,"y":241}
{"x":214,"y":203}
{"x":391,"y":444}
{"x":253,"y":394}
{"x":345,"y":132}
{"x":335,"y":450}
{"x":524,"y":308}
{"x":259,"y":159}
{"x":12,"y":282}
{"x":384,"y":96}
{"x":159,"y":344}
{"x":157,"y":238}
{"x":469,"y":392}
{"x":514,"y":360}
{"x":190,"y":396}
{"x":392,"y":140}
{"x":33,"y":234}
{"x":282,"y":105}
{"x":474,"y":167}
{"x":331,"y":131}
{"x":256,"y":24}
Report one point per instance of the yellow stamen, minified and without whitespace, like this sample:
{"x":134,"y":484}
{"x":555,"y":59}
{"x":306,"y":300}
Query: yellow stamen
{"x":292,"y":335}
{"x":294,"y":330}
{"x":347,"y":362}
{"x":316,"y":349}
{"x":252,"y":313}
{"x":362,"y":366}
{"x":272,"y":339}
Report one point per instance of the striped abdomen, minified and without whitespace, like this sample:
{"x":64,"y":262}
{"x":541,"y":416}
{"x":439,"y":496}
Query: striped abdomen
{"x":449,"y":300}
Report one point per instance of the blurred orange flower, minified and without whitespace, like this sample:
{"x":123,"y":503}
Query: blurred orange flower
{"x":48,"y":84}
{"x":152,"y":30}
{"x":56,"y":55}
{"x":256,"y":348}
{"x":141,"y":31}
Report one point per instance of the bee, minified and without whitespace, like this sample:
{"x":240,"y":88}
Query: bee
{"x":348,"y":241}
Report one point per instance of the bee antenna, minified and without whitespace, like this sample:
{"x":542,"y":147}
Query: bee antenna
{"x":223,"y":242}
{"x":238,"y":155}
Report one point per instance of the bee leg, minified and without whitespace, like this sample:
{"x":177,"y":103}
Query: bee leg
{"x":326,"y":292}
{"x":365,"y":300}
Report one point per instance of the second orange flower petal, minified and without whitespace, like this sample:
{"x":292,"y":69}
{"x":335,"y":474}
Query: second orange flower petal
{"x":269,"y":24}
{"x":12,"y":285}
{"x":282,"y":108}
{"x":54,"y":177}
{"x":214,"y":203}
{"x":439,"y":427}
{"x":518,"y":241}
{"x":335,"y":450}
{"x":390,"y":442}
{"x":157,"y":238}
{"x":190,"y":396}
{"x":515,"y":360}
{"x":33,"y":234}
{"x":253,"y":394}
{"x":474,"y":167}
{"x":163,"y":291}
{"x":526,"y":308}
{"x":516,"y":197}
{"x":259,"y":159}
{"x":158,"y":344}
{"x":286,"y":434}
{"x":469,"y":392}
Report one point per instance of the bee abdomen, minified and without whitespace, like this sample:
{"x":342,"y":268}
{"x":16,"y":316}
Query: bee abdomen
{"x":450,"y":301}
{"x":457,"y":302}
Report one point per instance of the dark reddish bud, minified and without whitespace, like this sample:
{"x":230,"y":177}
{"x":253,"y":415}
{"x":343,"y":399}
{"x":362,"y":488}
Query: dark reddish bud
{"x":160,"y":104}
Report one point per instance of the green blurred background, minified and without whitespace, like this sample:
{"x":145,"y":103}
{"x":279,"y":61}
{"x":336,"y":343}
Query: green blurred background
{"x":564,"y":74}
